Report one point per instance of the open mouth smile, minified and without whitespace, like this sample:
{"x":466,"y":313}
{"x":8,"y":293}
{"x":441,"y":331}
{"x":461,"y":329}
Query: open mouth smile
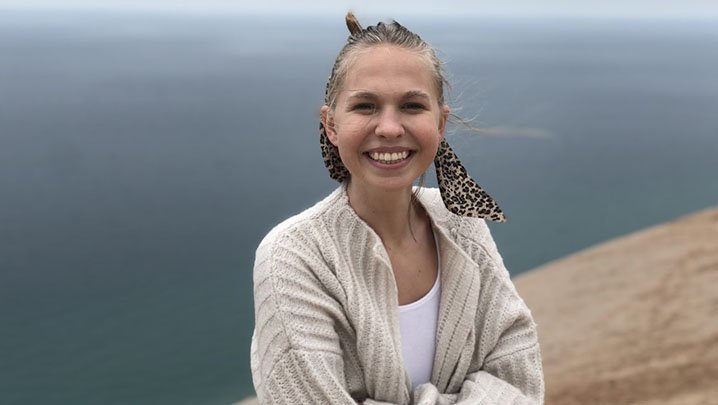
{"x":390,"y":157}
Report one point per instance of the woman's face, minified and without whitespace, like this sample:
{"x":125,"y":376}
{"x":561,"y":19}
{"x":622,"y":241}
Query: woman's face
{"x":387,"y":122}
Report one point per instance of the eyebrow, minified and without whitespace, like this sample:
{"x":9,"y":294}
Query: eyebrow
{"x":416,"y":93}
{"x":372,"y":96}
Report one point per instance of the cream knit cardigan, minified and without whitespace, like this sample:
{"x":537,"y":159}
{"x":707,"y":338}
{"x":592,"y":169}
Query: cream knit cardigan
{"x":327,"y":323}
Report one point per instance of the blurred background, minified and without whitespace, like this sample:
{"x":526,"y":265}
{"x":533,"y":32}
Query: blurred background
{"x":147,"y":147}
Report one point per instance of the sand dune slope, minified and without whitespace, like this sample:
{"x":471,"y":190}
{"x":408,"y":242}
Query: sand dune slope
{"x":633,"y":320}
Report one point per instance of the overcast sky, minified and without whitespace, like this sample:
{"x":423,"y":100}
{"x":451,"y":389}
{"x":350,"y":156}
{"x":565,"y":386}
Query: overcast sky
{"x":626,"y":8}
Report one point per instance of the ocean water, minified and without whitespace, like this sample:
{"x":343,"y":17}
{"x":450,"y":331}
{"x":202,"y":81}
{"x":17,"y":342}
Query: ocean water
{"x":144,"y":156}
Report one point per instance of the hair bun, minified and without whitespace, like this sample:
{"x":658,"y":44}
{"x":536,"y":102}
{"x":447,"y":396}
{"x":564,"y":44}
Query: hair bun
{"x":353,"y":24}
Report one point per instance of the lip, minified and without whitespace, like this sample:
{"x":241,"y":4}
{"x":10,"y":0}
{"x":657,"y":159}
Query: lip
{"x":389,"y":149}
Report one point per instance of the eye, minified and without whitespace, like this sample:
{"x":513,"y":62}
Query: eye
{"x":364,"y":107}
{"x":414,"y":106}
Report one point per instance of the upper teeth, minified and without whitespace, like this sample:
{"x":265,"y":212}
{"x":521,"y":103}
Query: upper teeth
{"x":389,"y":157}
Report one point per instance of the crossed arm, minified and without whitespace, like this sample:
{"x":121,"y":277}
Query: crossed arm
{"x":315,"y":378}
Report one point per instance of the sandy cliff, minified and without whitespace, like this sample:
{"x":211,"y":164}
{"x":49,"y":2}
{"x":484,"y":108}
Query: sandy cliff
{"x":633,"y":320}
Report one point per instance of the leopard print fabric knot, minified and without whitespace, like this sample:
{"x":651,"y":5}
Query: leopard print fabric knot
{"x":460,"y":193}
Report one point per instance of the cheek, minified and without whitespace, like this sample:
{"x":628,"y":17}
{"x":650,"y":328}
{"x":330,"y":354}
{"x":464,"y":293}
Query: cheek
{"x":350,"y":131}
{"x":432,"y":136}
{"x":350,"y":138}
{"x":348,"y":143}
{"x":432,"y":128}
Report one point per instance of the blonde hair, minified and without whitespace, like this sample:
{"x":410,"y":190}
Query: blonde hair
{"x":391,"y":33}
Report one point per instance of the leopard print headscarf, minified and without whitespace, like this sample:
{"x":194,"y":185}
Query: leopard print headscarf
{"x":460,"y":193}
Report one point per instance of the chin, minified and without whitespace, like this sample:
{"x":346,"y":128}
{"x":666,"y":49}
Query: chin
{"x":390,"y":185}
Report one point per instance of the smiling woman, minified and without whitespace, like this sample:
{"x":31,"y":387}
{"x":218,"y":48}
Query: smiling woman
{"x":379,"y":293}
{"x":387,"y":122}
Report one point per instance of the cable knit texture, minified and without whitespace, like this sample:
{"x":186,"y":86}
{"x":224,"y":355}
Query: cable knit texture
{"x":327,"y":318}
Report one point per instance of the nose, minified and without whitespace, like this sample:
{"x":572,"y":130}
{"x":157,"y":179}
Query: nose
{"x":389,"y":124}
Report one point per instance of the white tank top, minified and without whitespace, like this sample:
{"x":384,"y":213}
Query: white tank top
{"x":417,"y":325}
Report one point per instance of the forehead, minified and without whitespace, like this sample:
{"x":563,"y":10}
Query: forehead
{"x":388,"y":68}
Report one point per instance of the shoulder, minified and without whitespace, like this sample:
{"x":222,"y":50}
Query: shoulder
{"x":302,"y":228}
{"x":316,"y":241}
{"x":472,"y":235}
{"x":474,"y":229}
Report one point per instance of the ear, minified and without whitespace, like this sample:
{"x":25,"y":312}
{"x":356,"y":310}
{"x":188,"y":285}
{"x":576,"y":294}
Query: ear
{"x":328,"y":122}
{"x":445,"y":111}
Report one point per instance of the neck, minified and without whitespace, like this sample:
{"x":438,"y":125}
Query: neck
{"x":388,"y":213}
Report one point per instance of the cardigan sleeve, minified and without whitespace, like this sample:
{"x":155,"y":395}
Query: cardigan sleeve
{"x":492,"y":386}
{"x":511,"y":373}
{"x":508,"y":353}
{"x":296,"y":356}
